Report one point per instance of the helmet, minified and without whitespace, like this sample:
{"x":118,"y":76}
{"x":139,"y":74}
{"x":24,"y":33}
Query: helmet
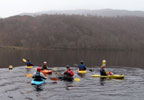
{"x":39,"y":69}
{"x":44,"y":62}
{"x":81,"y":61}
{"x":67,"y":66}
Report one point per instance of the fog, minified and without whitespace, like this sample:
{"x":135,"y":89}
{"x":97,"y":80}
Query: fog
{"x":14,"y":7}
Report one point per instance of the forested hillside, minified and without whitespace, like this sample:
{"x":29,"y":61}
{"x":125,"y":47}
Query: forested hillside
{"x":100,"y":12}
{"x":73,"y":31}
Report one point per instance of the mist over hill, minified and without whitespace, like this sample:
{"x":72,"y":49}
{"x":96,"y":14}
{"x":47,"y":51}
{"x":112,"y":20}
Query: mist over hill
{"x":73,"y":32}
{"x":102,"y":12}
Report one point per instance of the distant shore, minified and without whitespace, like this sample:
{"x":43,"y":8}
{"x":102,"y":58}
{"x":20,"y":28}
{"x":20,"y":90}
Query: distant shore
{"x":99,"y":49}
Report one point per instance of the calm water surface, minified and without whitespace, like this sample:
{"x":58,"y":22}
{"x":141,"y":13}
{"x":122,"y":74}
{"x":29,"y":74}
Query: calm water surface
{"x":15,"y":86}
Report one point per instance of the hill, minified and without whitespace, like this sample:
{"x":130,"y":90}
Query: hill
{"x":73,"y":31}
{"x":101,"y":12}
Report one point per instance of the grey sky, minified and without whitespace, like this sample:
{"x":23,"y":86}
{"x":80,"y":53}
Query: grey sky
{"x":14,"y":7}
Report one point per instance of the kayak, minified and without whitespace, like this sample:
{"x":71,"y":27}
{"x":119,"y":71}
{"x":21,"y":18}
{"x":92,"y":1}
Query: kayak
{"x":81,"y":72}
{"x":45,"y":71}
{"x":114,"y":76}
{"x":35,"y":82}
{"x":29,"y":66}
{"x":70,"y":79}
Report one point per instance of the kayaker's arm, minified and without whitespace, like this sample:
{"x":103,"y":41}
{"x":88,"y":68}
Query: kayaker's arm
{"x":42,"y":75}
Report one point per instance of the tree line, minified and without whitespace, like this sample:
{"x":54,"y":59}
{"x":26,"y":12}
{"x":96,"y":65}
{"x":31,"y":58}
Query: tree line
{"x":73,"y":32}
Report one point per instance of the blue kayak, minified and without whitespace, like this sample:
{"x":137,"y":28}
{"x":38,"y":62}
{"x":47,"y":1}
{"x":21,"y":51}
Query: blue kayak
{"x":36,"y":82}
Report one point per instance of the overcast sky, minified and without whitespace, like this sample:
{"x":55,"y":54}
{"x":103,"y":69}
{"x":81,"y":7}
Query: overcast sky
{"x":14,"y":7}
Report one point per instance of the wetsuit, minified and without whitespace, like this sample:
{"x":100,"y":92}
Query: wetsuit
{"x":102,"y":72}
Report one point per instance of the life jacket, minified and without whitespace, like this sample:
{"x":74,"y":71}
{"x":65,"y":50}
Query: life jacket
{"x":102,"y":72}
{"x":69,"y":72}
{"x":37,"y":76}
{"x":29,"y":63}
{"x":68,"y":75}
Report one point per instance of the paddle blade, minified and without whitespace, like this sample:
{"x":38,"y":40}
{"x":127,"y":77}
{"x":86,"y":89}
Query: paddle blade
{"x":10,"y":67}
{"x":76,"y":79}
{"x":53,"y":78}
{"x":24,"y":60}
{"x":28,"y":75}
{"x":55,"y":69}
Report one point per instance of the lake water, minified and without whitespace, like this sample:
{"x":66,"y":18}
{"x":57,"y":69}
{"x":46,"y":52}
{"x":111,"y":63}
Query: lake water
{"x":15,"y":86}
{"x":70,"y":57}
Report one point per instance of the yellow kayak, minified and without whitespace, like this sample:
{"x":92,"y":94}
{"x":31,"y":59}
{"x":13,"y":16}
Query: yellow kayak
{"x":81,"y":72}
{"x":114,"y":76}
{"x":29,"y":66}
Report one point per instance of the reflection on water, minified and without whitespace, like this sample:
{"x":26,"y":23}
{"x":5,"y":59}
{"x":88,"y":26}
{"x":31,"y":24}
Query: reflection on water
{"x":38,"y":88}
{"x":68,"y":85}
{"x":72,"y":57}
{"x":102,"y":81}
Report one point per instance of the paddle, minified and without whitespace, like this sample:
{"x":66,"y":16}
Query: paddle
{"x":29,"y":75}
{"x":10,"y":67}
{"x":90,"y":70}
{"x":76,"y":79}
{"x":59,"y":74}
{"x":104,"y":64}
{"x":24,"y":60}
{"x":53,"y":78}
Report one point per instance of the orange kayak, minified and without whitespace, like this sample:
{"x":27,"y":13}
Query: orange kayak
{"x":46,"y":72}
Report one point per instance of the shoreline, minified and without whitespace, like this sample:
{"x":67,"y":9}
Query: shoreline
{"x":46,"y":49}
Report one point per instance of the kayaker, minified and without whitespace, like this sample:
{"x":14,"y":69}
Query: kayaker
{"x":81,"y":66}
{"x":38,"y":75}
{"x":28,"y":63}
{"x":102,"y":71}
{"x":44,"y":66}
{"x":68,"y":74}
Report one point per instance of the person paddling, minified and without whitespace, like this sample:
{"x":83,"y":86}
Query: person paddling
{"x":28,"y":63}
{"x":68,"y":74}
{"x":81,"y":66}
{"x":102,"y":71}
{"x":38,"y":76}
{"x":44,"y":66}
